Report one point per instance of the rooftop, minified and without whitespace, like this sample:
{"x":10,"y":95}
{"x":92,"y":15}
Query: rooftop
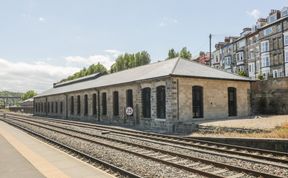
{"x":172,"y":67}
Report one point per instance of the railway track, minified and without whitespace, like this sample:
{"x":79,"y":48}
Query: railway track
{"x":196,"y":165}
{"x":274,"y":156}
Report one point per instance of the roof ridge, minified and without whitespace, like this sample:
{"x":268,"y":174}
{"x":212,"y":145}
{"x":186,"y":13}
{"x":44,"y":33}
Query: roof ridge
{"x":176,"y":63}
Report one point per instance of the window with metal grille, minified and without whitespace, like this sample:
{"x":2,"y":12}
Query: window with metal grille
{"x":129,"y":98}
{"x":94,"y":104}
{"x":78,"y":105}
{"x":115,"y":103}
{"x":56,"y":107}
{"x":197,"y":97}
{"x":72,"y":105}
{"x":146,"y":102}
{"x":161,"y":102}
{"x":104,"y":104}
{"x":85,"y":104}
{"x":61,"y":107}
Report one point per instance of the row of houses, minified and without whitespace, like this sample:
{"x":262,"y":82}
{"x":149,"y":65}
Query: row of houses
{"x":260,"y":52}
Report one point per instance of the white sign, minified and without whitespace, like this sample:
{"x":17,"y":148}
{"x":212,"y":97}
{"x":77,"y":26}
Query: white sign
{"x":129,"y":111}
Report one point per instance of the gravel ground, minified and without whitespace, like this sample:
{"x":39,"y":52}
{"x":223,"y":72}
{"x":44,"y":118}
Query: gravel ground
{"x":138,"y":165}
{"x":260,"y":122}
{"x":236,"y":162}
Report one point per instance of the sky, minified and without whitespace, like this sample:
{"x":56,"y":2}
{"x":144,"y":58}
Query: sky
{"x":42,"y":42}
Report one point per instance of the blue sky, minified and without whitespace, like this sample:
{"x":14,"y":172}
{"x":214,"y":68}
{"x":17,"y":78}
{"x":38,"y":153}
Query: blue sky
{"x":53,"y":39}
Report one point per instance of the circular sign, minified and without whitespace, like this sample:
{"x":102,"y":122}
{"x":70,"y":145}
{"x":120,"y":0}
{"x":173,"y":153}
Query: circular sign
{"x":129,"y":111}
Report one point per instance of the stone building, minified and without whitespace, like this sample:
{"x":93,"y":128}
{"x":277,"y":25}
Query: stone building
{"x":165,"y":95}
{"x":260,"y":51}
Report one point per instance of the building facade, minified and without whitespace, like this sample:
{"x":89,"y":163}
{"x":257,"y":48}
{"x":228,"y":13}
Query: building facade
{"x":166,"y":96}
{"x":260,"y":51}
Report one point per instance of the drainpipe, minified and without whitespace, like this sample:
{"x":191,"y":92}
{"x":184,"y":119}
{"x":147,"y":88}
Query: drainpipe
{"x":284,"y":61}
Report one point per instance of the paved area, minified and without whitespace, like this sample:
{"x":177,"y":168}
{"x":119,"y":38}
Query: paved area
{"x":260,"y":122}
{"x":24,"y":156}
{"x":13,"y":164}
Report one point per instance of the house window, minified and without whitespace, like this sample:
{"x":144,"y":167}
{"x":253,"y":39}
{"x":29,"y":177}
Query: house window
{"x":146,"y":102}
{"x":268,"y":31}
{"x":85,"y":104}
{"x":115,"y":103}
{"x":72,"y":105}
{"x":161,"y":102}
{"x":232,"y":101}
{"x":61,"y":107}
{"x":265,"y":61}
{"x":129,"y":98}
{"x":286,"y":39}
{"x":275,"y":74}
{"x":286,"y":56}
{"x":104,"y":104}
{"x":264,"y":46}
{"x":78,"y":105}
{"x":56,"y":107}
{"x":94,"y":104}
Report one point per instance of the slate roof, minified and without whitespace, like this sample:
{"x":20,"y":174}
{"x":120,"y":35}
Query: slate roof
{"x":172,"y":67}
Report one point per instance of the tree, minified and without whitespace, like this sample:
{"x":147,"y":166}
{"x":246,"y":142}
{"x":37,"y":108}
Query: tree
{"x":186,"y":54}
{"x":127,"y":61}
{"x":28,"y":94}
{"x":172,"y":54}
{"x":92,"y":69}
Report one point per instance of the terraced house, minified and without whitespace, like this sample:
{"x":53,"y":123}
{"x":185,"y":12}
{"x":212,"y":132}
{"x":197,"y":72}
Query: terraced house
{"x":167,"y":95}
{"x":260,"y":51}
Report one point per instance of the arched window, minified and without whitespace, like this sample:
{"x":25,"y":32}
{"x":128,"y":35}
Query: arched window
{"x":104,"y":104}
{"x":72,"y":105}
{"x":146,"y":102}
{"x":161,"y":102}
{"x":115,"y":103}
{"x":129,"y":98}
{"x":232,"y":101}
{"x":52,"y":107}
{"x":78,"y":105}
{"x":48,"y":107}
{"x":61,"y":107}
{"x":94,"y":105}
{"x":56,"y":107}
{"x":85,"y":104}
{"x":197,"y":97}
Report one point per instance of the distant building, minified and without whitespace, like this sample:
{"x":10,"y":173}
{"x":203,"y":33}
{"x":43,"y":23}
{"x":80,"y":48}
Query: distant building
{"x":203,"y":58}
{"x":260,"y":51}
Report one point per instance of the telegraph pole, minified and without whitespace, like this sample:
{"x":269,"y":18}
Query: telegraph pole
{"x":210,"y":55}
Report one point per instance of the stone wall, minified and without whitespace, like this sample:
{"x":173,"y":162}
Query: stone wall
{"x":215,"y":96}
{"x":270,"y":96}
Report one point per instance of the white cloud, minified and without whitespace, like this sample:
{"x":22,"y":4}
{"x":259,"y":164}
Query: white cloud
{"x":168,"y":21}
{"x":41,"y":19}
{"x":255,"y":13}
{"x":21,"y":76}
{"x":106,"y":59}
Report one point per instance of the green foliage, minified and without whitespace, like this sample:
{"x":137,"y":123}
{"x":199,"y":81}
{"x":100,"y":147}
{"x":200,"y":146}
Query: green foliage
{"x":242,"y":73}
{"x":184,"y":53}
{"x":172,"y":54}
{"x":28,"y":94}
{"x":92,"y":69}
{"x":260,"y":77}
{"x":127,"y":61}
{"x":10,"y":101}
